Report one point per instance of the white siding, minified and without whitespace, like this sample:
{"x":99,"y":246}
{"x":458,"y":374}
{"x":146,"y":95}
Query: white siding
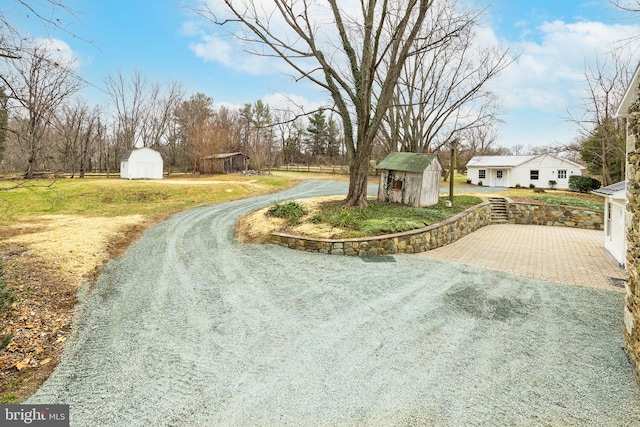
{"x":614,"y":233}
{"x":143,"y":163}
{"x":546,"y":165}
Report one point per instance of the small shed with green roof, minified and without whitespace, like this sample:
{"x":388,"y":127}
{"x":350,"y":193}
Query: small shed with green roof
{"x":410,"y":178}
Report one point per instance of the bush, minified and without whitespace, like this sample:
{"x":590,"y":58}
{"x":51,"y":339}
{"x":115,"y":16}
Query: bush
{"x":468,"y":180}
{"x":552,"y":183}
{"x":518,"y":185}
{"x":480,"y":183}
{"x":291,"y":210}
{"x":532,"y":186}
{"x":583,"y":184}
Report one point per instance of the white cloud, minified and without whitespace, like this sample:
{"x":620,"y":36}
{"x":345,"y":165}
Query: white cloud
{"x":291,"y":102}
{"x":550,"y":71}
{"x":59,"y":51}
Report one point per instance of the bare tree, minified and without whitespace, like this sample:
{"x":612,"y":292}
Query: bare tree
{"x":132,"y":98}
{"x":602,"y":144}
{"x":51,"y":13}
{"x":627,"y":5}
{"x":258,"y":134}
{"x":160,"y":113}
{"x":38,"y":83}
{"x":356,"y":55}
{"x":192,"y":117}
{"x":443,"y":88}
{"x":79,"y":129}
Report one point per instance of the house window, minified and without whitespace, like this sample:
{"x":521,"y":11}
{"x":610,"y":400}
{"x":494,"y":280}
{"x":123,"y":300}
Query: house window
{"x":482,"y":174}
{"x":562,"y":174}
{"x":499,"y":174}
{"x":396,"y":184}
{"x":534,"y":175}
{"x":608,"y":226}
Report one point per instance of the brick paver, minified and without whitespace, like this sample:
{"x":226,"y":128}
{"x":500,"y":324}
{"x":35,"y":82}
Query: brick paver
{"x":557,"y":254}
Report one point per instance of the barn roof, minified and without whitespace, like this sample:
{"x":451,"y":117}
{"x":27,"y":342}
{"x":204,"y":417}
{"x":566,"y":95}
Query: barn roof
{"x":225,"y":155}
{"x":407,"y":162}
{"x":127,"y":154}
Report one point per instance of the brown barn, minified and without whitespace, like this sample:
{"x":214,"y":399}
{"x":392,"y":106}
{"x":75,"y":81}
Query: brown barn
{"x":410,"y":178}
{"x":223,"y":163}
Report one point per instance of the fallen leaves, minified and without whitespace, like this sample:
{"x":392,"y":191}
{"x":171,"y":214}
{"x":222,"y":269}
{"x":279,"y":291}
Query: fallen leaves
{"x":39,"y":322}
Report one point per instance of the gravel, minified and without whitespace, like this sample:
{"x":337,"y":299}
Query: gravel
{"x":192,"y":328}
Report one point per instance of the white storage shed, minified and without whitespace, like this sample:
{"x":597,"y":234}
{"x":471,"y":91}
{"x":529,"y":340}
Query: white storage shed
{"x":141,"y":163}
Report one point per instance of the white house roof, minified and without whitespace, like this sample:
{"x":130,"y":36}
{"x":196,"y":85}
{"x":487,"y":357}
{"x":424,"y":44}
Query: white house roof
{"x":630,"y":95}
{"x":611,"y":190}
{"x":498,"y":161}
{"x":506,"y":162}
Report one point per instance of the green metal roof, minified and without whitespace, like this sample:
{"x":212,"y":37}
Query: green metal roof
{"x":407,"y":162}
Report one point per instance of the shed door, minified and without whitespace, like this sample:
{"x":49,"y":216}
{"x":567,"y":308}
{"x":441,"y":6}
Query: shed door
{"x":145,"y":170}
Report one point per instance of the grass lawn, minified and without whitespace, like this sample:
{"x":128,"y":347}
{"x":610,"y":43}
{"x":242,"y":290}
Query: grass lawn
{"x":377,"y":218}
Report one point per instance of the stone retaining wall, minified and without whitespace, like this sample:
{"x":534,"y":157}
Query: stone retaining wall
{"x":567,"y":216}
{"x":445,"y":232}
{"x":413,"y":241}
{"x":632,"y":306}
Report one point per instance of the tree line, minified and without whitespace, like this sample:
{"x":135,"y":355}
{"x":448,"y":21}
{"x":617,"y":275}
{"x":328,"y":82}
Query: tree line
{"x":400,"y":75}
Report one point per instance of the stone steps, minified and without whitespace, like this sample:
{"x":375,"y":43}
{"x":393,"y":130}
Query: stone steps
{"x":499,"y":211}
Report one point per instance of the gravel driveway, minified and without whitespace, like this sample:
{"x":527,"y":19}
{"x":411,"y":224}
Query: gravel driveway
{"x":190,"y":328}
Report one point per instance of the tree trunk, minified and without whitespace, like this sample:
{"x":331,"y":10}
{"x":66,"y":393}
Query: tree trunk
{"x":358,"y":177}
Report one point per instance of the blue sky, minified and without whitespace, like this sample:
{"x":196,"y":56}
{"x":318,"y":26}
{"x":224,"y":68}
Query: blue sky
{"x":164,"y":41}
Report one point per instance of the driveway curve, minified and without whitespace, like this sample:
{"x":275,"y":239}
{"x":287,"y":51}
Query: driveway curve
{"x":191,"y":328}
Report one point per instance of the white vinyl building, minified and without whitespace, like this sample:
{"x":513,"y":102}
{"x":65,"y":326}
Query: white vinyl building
{"x":615,"y":239}
{"x":141,"y":163}
{"x":510,"y":171}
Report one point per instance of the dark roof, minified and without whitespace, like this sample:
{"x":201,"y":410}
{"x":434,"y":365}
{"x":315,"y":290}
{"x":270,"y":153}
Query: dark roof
{"x":610,"y":190}
{"x":127,"y":154}
{"x":407,"y":162}
{"x":225,"y":155}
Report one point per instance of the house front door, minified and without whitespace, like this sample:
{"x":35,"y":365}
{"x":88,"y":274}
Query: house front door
{"x":499,"y":180}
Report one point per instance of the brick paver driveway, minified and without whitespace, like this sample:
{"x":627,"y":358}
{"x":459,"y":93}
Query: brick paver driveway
{"x":557,"y":254}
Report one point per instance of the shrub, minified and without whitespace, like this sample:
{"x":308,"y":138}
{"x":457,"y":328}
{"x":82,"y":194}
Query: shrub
{"x":583,"y":184}
{"x":518,"y":185}
{"x":480,"y":183}
{"x":552,"y":183}
{"x":291,"y":210}
{"x":468,"y":180}
{"x":532,"y":186}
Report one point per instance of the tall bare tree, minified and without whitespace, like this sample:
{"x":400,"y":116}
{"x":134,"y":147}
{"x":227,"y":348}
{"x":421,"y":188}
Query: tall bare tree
{"x":38,"y":83}
{"x":355,"y":51}
{"x":602,"y":142}
{"x":132,"y":98}
{"x":79,"y":129}
{"x":443,"y":88}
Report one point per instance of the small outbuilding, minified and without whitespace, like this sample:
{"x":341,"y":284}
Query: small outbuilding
{"x":141,"y":163}
{"x":224,"y":163}
{"x":410,"y":178}
{"x":615,"y":239}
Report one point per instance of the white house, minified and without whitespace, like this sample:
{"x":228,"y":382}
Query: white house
{"x":614,"y":225}
{"x":509,"y":171}
{"x":141,"y":163}
{"x":410,"y":178}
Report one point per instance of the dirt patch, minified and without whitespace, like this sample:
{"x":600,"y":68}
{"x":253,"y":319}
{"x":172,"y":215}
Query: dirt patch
{"x":45,"y":261}
{"x":257,"y":226}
